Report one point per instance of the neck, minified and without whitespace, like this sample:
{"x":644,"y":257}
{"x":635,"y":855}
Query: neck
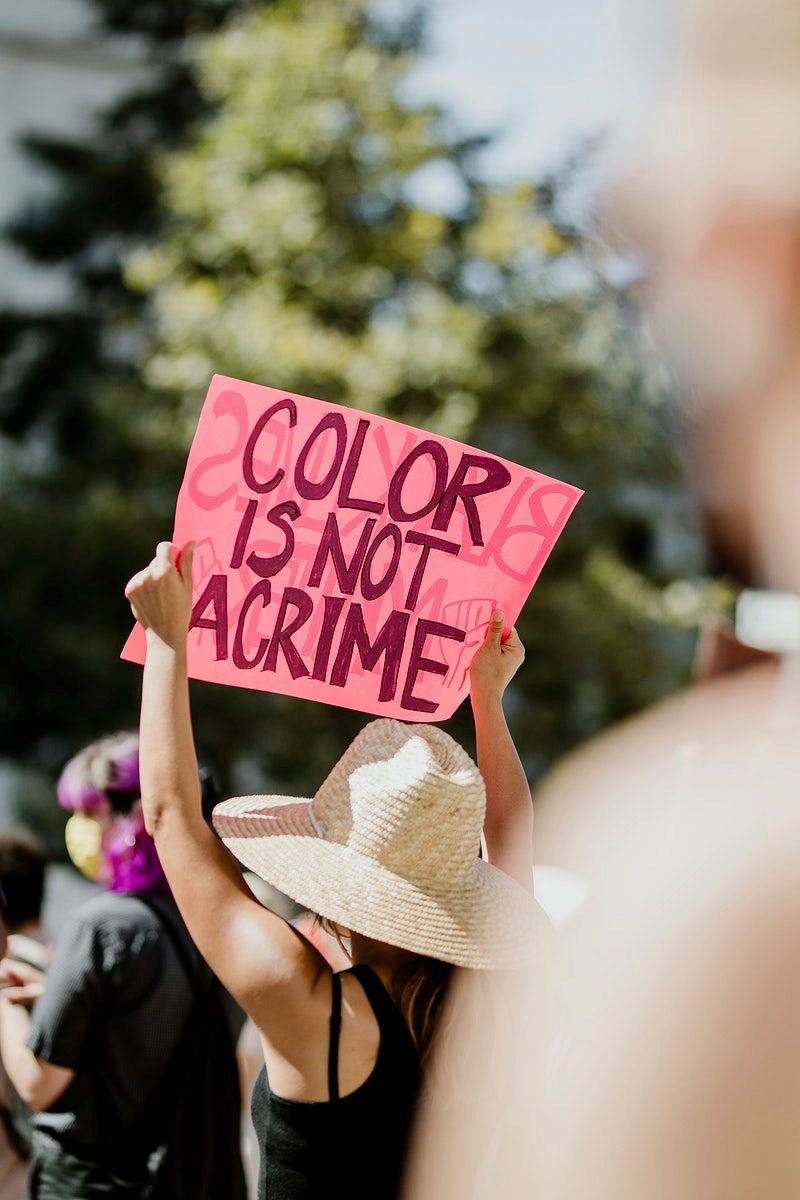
{"x":381,"y":957}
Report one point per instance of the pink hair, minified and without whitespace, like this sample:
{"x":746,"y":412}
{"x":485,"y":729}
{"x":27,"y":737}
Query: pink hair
{"x":107,"y":773}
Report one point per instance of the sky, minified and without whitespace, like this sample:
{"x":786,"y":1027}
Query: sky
{"x":545,"y":73}
{"x":541,"y":75}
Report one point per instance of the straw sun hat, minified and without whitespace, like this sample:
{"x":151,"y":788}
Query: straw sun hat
{"x":388,"y":848}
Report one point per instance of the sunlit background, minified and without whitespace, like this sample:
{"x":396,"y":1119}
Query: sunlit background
{"x":428,"y":213}
{"x":387,"y":207}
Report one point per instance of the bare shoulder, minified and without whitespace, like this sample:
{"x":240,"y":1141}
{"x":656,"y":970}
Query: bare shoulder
{"x":285,"y":972}
{"x":296,"y":1040}
{"x":294,"y":1027}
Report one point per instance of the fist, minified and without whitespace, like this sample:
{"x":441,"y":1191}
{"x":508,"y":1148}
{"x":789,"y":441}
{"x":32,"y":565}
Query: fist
{"x":160,"y":596}
{"x":496,"y":662}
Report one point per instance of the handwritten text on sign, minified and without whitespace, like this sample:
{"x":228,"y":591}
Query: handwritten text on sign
{"x":347,"y":558}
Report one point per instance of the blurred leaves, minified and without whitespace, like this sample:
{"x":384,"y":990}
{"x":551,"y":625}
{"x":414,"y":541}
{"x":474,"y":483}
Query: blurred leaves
{"x":88,"y":454}
{"x":257,"y":213}
{"x":295,"y":255}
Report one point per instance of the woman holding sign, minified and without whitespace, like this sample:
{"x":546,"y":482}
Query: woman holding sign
{"x":387,"y":851}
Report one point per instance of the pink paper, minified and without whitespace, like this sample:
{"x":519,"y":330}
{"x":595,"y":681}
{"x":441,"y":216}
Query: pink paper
{"x":347,"y":558}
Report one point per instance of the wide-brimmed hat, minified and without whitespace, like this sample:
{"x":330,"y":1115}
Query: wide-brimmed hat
{"x":388,"y":848}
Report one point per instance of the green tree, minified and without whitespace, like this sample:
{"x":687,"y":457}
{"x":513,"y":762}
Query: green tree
{"x":297,"y":255}
{"x":87,"y":453}
{"x":287,"y":243}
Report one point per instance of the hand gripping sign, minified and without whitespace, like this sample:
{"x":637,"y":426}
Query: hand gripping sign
{"x":348,"y":558}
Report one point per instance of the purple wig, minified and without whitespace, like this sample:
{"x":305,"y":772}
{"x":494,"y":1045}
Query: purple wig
{"x":104,"y":772}
{"x":105,"y":776}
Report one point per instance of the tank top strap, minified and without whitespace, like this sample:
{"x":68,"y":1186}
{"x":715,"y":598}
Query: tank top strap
{"x":333,"y":1040}
{"x":385,"y":1009}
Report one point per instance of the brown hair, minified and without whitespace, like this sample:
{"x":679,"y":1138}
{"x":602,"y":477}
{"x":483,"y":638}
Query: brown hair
{"x":471,"y":1020}
{"x":453,"y":1029}
{"x":419,"y":990}
{"x":22,"y":865}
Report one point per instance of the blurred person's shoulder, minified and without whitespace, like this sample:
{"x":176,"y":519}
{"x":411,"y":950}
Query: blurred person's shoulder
{"x":121,"y":924}
{"x":114,"y":910}
{"x":701,"y":740}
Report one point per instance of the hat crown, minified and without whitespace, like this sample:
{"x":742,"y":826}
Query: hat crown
{"x":389,"y":849}
{"x":408,"y":797}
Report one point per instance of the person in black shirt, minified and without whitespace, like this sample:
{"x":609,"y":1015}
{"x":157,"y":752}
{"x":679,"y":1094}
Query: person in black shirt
{"x":387,"y":851}
{"x":91,"y":1057}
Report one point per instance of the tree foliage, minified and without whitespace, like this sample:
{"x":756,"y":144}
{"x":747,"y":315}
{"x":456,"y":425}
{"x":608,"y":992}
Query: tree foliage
{"x":288,"y":241}
{"x":87,"y":452}
{"x":299,"y":254}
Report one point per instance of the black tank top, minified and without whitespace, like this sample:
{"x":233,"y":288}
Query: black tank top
{"x":350,"y":1145}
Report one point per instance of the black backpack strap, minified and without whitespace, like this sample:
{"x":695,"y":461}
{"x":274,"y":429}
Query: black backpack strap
{"x":176,"y":941}
{"x":333,"y":1043}
{"x":153,"y":1119}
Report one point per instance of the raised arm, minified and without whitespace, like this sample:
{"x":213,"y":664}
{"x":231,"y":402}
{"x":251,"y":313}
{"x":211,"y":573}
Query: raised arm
{"x":262,"y":961}
{"x":508,"y":828}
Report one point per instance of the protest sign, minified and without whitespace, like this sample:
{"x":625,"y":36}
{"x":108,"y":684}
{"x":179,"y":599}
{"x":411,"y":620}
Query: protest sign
{"x":347,"y":558}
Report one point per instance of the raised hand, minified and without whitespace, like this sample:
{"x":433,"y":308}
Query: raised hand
{"x":508,"y":824}
{"x":161,"y":595}
{"x":496,"y":662}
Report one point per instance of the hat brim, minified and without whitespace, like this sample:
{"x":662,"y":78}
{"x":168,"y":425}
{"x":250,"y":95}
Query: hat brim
{"x":489,"y":922}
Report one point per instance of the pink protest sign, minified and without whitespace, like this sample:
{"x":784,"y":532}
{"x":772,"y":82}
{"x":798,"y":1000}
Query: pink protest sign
{"x":348,"y":558}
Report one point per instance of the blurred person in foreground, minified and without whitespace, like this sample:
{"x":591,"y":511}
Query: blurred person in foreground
{"x":387,"y":850}
{"x":101,"y":1055}
{"x":678,"y":1073}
